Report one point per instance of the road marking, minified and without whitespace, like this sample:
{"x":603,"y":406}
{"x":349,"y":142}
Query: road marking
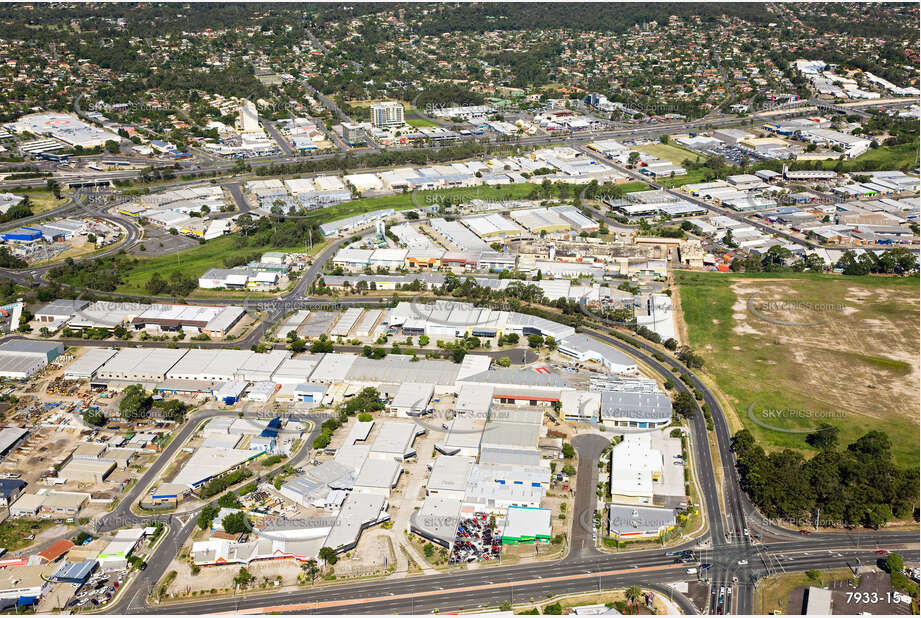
{"x":392,"y":597}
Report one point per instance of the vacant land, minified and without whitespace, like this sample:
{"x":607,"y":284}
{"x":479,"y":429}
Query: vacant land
{"x":802,"y":349}
{"x":418,"y":121}
{"x":902,"y":156}
{"x":14,"y":533}
{"x":772,"y":594}
{"x":194,"y":262}
{"x":670,"y":152}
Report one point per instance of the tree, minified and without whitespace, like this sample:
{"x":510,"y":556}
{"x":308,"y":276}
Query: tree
{"x":135,"y":403}
{"x":535,"y":341}
{"x":364,"y":417}
{"x":429,"y":550}
{"x":172,"y":409}
{"x":112,"y":146}
{"x":504,"y":361}
{"x":310,"y":569}
{"x":328,"y":555}
{"x":458,"y":354}
{"x":685,"y":404}
{"x":229,"y":501}
{"x":824,"y":438}
{"x":207,"y":515}
{"x":243,"y":578}
{"x":633,"y":594}
{"x":633,"y":158}
{"x":893,"y":564}
{"x":568,"y":450}
{"x":156,"y":285}
{"x":235,"y":523}
{"x":94,"y":417}
{"x":671,"y":344}
{"x":322,"y":345}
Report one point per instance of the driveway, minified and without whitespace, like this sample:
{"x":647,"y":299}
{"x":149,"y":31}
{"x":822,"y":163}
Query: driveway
{"x":589,"y":447}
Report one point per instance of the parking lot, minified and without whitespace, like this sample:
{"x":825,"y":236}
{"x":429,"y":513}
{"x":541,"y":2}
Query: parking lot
{"x":476,"y":540}
{"x":98,"y":590}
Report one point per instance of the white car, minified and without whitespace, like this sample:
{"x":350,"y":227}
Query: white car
{"x":743,"y":562}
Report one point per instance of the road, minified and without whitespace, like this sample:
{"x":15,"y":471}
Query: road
{"x":584,"y":568}
{"x":687,"y":197}
{"x":134,"y":598}
{"x":282,"y":142}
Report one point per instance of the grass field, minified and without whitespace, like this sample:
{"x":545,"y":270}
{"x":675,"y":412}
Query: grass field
{"x":13,"y":532}
{"x":43,"y":200}
{"x":420,"y":122}
{"x":692,"y":177}
{"x":854,"y":366}
{"x":634,"y":186}
{"x":193,"y":262}
{"x":886,"y":158}
{"x":670,"y":152}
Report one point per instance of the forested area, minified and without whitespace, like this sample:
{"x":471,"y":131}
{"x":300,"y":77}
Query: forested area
{"x":855,"y":486}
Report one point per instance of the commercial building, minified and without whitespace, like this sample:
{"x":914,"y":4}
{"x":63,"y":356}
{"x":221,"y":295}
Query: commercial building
{"x":208,"y":463}
{"x":85,"y":367}
{"x":194,"y":319}
{"x":349,"y":224}
{"x":449,"y":477}
{"x":141,"y":364}
{"x":636,"y":410}
{"x":86,"y":470}
{"x":23,"y":586}
{"x":10,"y":490}
{"x":635,"y":467}
{"x":378,"y":477}
{"x":581,"y":406}
{"x":394,"y":440}
{"x":64,"y":127}
{"x":10,"y":437}
{"x":493,"y":226}
{"x":43,"y":350}
{"x":574,"y":216}
{"x":27,"y":505}
{"x":541,"y":220}
{"x":526,"y":525}
{"x":60,"y":310}
{"x":584,"y":348}
{"x":633,"y":522}
{"x":437,"y":518}
{"x":412,"y":399}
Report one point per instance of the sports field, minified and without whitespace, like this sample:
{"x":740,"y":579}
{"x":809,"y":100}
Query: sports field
{"x":790,"y":351}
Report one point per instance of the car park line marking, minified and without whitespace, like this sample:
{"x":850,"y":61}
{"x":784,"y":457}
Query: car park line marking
{"x":316,"y":605}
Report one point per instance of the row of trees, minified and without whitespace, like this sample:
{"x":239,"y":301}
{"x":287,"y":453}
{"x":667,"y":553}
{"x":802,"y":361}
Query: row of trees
{"x":857,"y":485}
{"x":898,"y":261}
